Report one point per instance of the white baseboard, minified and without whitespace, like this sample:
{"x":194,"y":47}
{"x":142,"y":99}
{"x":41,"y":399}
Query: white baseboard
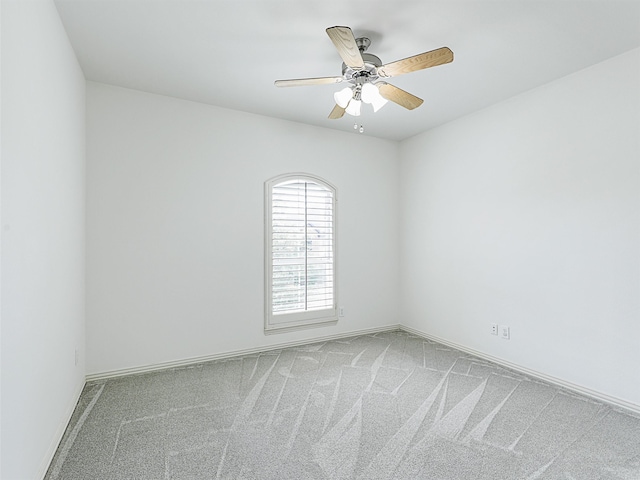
{"x":233,"y":353}
{"x":603,"y":397}
{"x":57,"y":438}
{"x":611,"y":400}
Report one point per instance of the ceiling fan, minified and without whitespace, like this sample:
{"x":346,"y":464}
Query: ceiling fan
{"x":365,"y":72}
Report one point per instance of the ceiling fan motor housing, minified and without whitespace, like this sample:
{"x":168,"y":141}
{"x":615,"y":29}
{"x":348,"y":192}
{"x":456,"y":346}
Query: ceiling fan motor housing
{"x":371,"y":64}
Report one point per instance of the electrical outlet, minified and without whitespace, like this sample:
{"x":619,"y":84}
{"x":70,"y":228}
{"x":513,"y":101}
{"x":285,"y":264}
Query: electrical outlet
{"x":341,"y":311}
{"x":504,"y":332}
{"x":494,"y":329}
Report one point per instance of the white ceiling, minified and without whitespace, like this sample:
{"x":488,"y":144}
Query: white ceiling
{"x":229,"y":52}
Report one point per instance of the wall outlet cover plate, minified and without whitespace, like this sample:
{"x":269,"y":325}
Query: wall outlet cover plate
{"x":505,"y":332}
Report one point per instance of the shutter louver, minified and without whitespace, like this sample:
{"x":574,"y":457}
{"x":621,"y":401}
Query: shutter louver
{"x":302,"y":247}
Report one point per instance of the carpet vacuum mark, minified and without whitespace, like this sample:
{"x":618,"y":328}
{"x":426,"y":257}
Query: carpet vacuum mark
{"x":384,"y":406}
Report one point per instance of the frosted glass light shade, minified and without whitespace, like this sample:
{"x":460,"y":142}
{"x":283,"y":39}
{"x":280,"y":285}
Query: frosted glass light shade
{"x":343,"y":96}
{"x":354,"y":107}
{"x":371,"y":95}
{"x":368,"y":92}
{"x":378,"y":102}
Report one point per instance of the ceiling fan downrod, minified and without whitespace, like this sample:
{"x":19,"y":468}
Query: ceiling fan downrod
{"x":363,"y":43}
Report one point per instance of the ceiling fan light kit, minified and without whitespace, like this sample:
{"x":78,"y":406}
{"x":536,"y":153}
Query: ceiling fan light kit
{"x":342,"y":97}
{"x":354,"y":107}
{"x":364,"y":71}
{"x":371,"y":95}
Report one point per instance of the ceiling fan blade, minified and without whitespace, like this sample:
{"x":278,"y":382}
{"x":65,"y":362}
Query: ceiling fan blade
{"x":336,"y":113}
{"x":399,"y":96}
{"x":301,"y":82}
{"x":345,"y":42}
{"x":433,"y":58}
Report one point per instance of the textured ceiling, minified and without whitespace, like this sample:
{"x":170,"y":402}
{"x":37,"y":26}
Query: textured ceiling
{"x":229,"y":52}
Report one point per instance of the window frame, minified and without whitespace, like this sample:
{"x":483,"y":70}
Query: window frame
{"x":283,"y":322}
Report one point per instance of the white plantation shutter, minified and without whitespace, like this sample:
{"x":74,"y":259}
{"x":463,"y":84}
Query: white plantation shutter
{"x":300,"y":231}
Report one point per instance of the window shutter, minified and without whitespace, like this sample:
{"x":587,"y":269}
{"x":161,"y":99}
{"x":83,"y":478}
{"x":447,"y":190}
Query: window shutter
{"x":301,"y":250}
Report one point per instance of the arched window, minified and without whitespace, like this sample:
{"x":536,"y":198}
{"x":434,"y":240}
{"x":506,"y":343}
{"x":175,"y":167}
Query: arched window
{"x":300,"y":252}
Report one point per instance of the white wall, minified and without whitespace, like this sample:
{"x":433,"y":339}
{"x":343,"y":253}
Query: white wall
{"x":0,"y":239}
{"x":43,"y":130}
{"x":175,"y":226}
{"x":528,"y":214}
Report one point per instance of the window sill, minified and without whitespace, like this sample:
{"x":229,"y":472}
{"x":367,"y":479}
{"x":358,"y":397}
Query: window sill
{"x":284,"y":328}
